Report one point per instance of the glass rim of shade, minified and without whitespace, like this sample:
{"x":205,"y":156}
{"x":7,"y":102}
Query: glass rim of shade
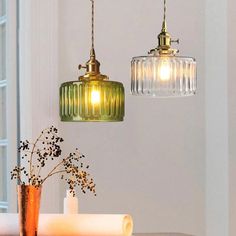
{"x":92,"y":80}
{"x":165,"y":56}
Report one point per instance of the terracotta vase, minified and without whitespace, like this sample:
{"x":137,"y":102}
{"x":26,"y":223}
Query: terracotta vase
{"x":28,"y":203}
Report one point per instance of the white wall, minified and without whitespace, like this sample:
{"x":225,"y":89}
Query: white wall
{"x":39,"y":79}
{"x":232,"y":114}
{"x":153,"y":164}
{"x":217,"y":149}
{"x":161,"y":165}
{"x":220,"y":117}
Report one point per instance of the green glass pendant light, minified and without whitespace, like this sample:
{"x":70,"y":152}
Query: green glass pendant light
{"x":92,"y":97}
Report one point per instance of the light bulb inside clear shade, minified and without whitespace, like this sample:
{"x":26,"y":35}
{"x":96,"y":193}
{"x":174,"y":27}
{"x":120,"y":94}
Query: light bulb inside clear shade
{"x":95,"y":97}
{"x":164,"y":70}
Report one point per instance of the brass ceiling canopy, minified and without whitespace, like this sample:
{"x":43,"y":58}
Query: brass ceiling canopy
{"x":92,"y":97}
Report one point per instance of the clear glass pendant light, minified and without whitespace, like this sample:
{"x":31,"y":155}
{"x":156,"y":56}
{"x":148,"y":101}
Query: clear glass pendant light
{"x":93,"y":97}
{"x":162,"y":73}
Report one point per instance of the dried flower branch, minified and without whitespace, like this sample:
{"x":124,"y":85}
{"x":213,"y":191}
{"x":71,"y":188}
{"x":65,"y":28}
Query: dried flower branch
{"x":47,"y":148}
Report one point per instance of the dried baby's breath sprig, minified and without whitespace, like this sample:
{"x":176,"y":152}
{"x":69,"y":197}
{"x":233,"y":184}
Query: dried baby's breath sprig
{"x":47,"y":148}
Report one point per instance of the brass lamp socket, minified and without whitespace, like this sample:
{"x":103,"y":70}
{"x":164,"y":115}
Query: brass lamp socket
{"x":92,"y":69}
{"x":164,"y":43}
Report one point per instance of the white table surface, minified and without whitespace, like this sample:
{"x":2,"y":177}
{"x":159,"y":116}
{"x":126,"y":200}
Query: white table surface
{"x":162,"y":234}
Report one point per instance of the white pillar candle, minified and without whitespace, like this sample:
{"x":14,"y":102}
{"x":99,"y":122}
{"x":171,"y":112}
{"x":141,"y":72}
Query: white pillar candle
{"x":71,"y":205}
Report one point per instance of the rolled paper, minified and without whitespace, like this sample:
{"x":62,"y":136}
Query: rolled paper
{"x":72,"y":225}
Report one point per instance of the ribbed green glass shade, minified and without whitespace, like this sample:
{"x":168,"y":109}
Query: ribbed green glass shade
{"x":92,"y":100}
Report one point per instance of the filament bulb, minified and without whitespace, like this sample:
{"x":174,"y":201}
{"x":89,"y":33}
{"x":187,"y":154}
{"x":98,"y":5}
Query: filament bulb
{"x":95,"y":97}
{"x":165,"y":71}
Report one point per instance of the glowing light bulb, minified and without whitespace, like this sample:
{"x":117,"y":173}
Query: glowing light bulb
{"x":95,"y":97}
{"x":165,"y":71}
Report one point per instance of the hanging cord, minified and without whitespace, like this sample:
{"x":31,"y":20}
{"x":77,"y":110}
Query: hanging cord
{"x":92,"y":26}
{"x":92,"y":66}
{"x":164,"y":10}
{"x":164,"y":28}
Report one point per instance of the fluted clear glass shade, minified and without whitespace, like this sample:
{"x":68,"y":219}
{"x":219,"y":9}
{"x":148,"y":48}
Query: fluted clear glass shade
{"x":163,"y":76}
{"x":93,"y":100}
